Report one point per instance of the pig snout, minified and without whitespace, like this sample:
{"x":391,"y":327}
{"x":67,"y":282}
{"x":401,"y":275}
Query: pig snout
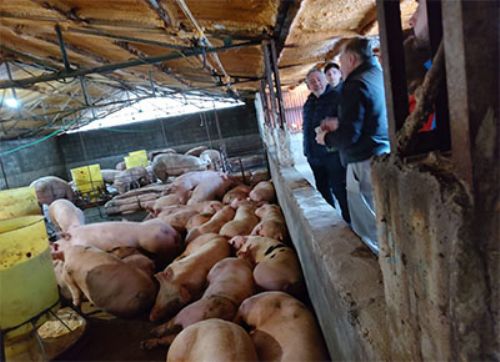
{"x":237,"y":241}
{"x":170,"y":298}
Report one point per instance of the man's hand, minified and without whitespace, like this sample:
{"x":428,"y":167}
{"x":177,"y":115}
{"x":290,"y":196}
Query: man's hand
{"x":330,"y":124}
{"x":320,"y":137}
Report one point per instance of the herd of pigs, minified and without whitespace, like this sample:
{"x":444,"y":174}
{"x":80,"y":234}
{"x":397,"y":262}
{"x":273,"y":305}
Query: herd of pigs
{"x":212,"y":262}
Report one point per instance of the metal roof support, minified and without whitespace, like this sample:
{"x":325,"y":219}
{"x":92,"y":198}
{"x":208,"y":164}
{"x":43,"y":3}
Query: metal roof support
{"x":88,"y":101}
{"x":391,"y":43}
{"x":162,"y":14}
{"x":263,"y":97}
{"x":153,"y":91}
{"x":112,"y":67}
{"x":277,"y":82}
{"x":269,"y":78}
{"x":9,"y":75}
{"x":60,"y":39}
{"x":185,"y":9}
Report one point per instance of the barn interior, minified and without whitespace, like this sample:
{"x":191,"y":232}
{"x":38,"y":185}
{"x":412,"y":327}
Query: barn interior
{"x":229,"y":76}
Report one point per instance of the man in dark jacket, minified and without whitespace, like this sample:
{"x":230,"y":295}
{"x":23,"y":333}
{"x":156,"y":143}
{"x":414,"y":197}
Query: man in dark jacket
{"x":360,"y":132}
{"x":329,"y":174}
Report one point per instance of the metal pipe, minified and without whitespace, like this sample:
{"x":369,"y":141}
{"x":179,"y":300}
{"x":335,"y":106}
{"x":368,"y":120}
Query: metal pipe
{"x":112,"y":67}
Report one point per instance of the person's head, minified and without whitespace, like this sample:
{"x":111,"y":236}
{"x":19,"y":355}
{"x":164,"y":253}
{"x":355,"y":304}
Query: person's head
{"x":332,"y":73}
{"x":419,"y":23}
{"x":354,"y":53}
{"x":316,"y":81}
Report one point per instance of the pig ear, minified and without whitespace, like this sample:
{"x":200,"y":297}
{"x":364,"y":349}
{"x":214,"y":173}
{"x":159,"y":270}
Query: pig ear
{"x":65,"y":235}
{"x":164,"y":275}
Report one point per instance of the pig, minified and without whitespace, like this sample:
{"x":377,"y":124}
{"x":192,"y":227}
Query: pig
{"x":106,"y":281}
{"x":120,"y":166}
{"x":213,"y":225}
{"x":51,"y":188}
{"x":196,"y":151}
{"x":272,"y":224}
{"x":180,"y":197}
{"x":205,"y":208}
{"x":258,"y":176}
{"x":65,"y":216}
{"x":64,"y":291}
{"x":174,"y":165}
{"x":263,"y":191}
{"x":282,"y":328}
{"x":230,"y":282}
{"x":108,"y":176}
{"x":178,"y":220}
{"x":141,"y":262}
{"x":237,"y":193}
{"x":134,"y":177}
{"x":212,"y":340}
{"x":212,"y":188}
{"x":243,"y":223}
{"x":184,"y":279}
{"x":197,"y":220}
{"x":190,"y":180}
{"x":153,"y":236}
{"x":197,"y":243}
{"x":277,"y":266}
{"x":154,"y":153}
{"x":213,"y":158}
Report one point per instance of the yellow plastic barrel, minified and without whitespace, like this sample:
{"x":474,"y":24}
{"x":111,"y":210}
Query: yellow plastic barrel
{"x":27,"y":281}
{"x":18,"y":202}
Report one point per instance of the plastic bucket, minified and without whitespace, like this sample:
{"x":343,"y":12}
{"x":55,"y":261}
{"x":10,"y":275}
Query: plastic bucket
{"x":18,"y":202}
{"x":28,"y":284}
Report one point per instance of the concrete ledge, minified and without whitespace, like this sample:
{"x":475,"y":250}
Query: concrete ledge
{"x":343,"y":277}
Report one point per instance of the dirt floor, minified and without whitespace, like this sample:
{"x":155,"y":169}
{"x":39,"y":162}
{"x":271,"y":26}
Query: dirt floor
{"x":111,"y":339}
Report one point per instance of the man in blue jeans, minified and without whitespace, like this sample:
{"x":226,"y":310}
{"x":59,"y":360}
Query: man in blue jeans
{"x":360,"y":132}
{"x":329,"y":174}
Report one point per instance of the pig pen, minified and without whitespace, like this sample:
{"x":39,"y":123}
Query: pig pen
{"x":111,"y":338}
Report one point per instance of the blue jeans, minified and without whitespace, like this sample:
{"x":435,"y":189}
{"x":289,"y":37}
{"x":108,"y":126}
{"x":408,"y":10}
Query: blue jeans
{"x":330,"y":178}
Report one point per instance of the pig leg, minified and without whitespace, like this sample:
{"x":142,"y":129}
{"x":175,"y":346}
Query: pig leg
{"x":157,"y":342}
{"x":76,"y":293}
{"x":166,"y":328}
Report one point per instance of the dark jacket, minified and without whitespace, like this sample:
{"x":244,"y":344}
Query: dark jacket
{"x":314,"y":111}
{"x":362,"y":131}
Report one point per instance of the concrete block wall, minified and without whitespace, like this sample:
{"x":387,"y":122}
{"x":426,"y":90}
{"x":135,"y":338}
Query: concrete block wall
{"x":343,"y":277}
{"x":28,"y":164}
{"x":238,"y":127}
{"x":437,"y":283}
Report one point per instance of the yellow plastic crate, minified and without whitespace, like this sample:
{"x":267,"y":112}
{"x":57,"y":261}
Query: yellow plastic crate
{"x":136,"y":158}
{"x":87,"y":178}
